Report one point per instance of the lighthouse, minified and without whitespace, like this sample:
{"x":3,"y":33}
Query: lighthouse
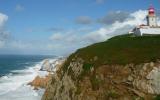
{"x":151,"y":18}
{"x":151,"y":28}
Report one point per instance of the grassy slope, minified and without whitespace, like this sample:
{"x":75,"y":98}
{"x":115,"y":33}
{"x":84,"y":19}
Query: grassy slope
{"x":121,"y":49}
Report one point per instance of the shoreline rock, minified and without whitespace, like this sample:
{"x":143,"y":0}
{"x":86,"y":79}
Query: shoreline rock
{"x":40,"y":82}
{"x":46,"y":66}
{"x":50,"y":66}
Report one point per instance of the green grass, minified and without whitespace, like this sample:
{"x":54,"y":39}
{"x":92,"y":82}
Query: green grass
{"x":121,"y":49}
{"x":157,"y":97}
{"x":87,"y":66}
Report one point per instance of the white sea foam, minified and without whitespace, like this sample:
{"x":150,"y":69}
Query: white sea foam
{"x":14,"y":86}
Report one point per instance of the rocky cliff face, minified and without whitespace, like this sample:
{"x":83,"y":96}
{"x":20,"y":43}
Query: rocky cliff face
{"x":82,"y":81}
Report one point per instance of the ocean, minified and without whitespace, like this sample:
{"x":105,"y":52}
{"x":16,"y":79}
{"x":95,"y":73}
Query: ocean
{"x":16,"y":71}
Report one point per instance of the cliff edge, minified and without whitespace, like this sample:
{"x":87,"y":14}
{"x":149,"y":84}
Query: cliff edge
{"x":122,"y":68}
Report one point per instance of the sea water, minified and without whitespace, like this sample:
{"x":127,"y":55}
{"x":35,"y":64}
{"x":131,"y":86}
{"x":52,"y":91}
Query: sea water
{"x":16,"y":71}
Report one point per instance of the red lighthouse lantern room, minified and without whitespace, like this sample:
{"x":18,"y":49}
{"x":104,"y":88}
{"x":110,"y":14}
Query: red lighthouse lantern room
{"x":151,"y":10}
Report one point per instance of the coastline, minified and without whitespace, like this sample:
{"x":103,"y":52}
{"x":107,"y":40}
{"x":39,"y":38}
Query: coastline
{"x":46,"y":71}
{"x":16,"y":83}
{"x":17,"y":72}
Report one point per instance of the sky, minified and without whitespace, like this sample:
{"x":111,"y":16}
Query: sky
{"x":59,"y":27}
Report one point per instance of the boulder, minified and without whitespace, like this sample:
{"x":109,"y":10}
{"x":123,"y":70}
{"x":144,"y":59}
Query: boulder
{"x":46,"y":66}
{"x":40,"y":82}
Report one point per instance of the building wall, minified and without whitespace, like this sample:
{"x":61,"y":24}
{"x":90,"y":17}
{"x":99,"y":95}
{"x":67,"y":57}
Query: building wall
{"x":151,"y":21}
{"x":146,"y":31}
{"x":137,"y":32}
{"x":151,"y":31}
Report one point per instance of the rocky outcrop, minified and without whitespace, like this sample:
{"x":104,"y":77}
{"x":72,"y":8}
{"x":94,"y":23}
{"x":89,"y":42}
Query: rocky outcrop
{"x":149,"y":81}
{"x":81,"y":81}
{"x":44,"y":75}
{"x":46,"y":66}
{"x":154,"y":80}
{"x":40,"y":82}
{"x":50,"y":65}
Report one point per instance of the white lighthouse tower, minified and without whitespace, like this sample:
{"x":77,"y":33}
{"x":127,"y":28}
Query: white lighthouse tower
{"x":151,"y":18}
{"x":151,"y":28}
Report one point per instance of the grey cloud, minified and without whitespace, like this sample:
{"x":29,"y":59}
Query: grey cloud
{"x":4,"y":35}
{"x":85,"y":20}
{"x":114,"y":16}
{"x":124,"y":30}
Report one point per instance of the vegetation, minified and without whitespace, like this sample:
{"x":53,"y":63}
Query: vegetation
{"x":87,"y":66}
{"x":95,"y":82}
{"x":86,"y":70}
{"x":109,"y":82}
{"x":121,"y":49}
{"x":157,"y":97}
{"x":111,"y":94}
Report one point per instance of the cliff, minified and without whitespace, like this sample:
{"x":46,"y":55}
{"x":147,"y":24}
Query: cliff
{"x":121,"y":68}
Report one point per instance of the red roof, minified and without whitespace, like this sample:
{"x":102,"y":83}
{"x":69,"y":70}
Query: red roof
{"x":151,"y":10}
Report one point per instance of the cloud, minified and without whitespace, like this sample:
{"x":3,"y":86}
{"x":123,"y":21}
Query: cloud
{"x":19,"y":8}
{"x":3,"y":33}
{"x":75,"y":38}
{"x":84,"y":20}
{"x":2,"y":43}
{"x":113,"y":16}
{"x":57,"y":36}
{"x":68,"y":40}
{"x":118,"y":27}
{"x":70,"y":36}
{"x":67,"y":37}
{"x":18,"y":44}
{"x":3,"y":19}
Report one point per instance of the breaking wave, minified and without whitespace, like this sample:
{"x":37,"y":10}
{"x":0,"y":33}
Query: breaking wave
{"x":14,"y":85}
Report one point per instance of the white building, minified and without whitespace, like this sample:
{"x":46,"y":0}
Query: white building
{"x":151,"y":28}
